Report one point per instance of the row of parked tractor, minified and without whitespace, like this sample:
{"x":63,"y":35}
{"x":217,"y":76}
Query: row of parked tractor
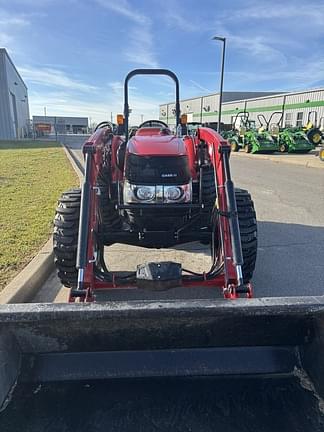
{"x":269,"y":136}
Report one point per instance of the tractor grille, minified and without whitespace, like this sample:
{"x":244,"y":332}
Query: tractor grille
{"x":157,"y":169}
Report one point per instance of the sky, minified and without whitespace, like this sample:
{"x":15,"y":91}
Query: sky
{"x":74,"y":54}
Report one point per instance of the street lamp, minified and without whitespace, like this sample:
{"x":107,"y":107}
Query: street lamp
{"x":222,"y":39}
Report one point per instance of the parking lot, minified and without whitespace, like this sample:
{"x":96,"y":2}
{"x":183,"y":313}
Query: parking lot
{"x":290,"y":207}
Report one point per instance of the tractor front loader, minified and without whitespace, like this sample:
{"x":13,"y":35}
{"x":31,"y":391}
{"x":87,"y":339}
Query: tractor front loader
{"x":233,"y":364}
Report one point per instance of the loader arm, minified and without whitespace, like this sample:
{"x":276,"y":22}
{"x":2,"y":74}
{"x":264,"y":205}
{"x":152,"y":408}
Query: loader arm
{"x":225,"y":206}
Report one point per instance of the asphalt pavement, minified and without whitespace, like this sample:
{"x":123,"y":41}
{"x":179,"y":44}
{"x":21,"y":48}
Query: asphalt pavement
{"x":289,"y":201}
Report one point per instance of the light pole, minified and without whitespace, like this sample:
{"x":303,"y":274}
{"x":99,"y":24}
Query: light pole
{"x":222,"y":39}
{"x":142,"y":118}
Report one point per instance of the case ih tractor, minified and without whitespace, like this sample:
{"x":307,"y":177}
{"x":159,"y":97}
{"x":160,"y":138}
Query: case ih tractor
{"x":172,"y":364}
{"x":155,"y":189}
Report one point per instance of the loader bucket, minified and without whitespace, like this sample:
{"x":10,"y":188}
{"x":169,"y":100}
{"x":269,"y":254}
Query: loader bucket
{"x":200,"y":365}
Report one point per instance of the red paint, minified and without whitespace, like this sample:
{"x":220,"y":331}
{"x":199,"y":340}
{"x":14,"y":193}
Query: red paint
{"x":163,"y":145}
{"x":157,"y":145}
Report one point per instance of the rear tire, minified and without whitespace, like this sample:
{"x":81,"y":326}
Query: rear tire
{"x":248,"y":232}
{"x":65,"y":236}
{"x":110,"y":218}
{"x":208,"y":187}
{"x":314,"y":136}
{"x":208,"y":197}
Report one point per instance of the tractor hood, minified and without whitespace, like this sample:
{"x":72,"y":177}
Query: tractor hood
{"x":158,"y":145}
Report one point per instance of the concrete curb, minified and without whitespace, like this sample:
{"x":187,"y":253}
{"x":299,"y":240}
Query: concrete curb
{"x":24,"y":287}
{"x":26,"y":284}
{"x":78,"y":168}
{"x":316,"y":163}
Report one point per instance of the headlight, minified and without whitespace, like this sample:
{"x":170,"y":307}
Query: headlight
{"x":157,"y":194}
{"x":136,"y":193}
{"x":172,"y":193}
{"x":145,"y":193}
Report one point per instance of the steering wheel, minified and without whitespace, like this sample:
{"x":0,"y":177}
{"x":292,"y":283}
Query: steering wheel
{"x":153,"y":123}
{"x":104,"y":124}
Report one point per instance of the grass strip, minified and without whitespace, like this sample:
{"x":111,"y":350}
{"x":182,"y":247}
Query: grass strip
{"x":33,"y":174}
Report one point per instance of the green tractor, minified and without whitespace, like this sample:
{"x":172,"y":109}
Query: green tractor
{"x":300,"y":139}
{"x":321,"y":150}
{"x":235,"y":135}
{"x":314,"y":131}
{"x":244,"y":134}
{"x":270,"y":126}
{"x":259,"y":140}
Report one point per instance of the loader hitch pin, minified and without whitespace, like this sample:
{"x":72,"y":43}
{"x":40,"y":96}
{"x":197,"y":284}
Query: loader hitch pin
{"x":97,"y":190}
{"x":80,"y":276}
{"x":239,"y":275}
{"x":94,"y":259}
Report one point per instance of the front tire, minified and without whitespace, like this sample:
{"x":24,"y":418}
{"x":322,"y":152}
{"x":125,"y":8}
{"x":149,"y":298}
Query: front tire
{"x":283,"y":148}
{"x":321,"y":154}
{"x":247,"y":148}
{"x":65,"y":236}
{"x":234,"y":146}
{"x":248,"y":232}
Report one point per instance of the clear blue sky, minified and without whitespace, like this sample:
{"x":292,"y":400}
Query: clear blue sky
{"x":74,"y":54}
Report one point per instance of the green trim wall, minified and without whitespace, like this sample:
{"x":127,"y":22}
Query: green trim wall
{"x":310,"y":104}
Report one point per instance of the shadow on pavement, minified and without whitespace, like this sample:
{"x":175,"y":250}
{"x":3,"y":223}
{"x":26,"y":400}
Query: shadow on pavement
{"x":289,"y":263}
{"x":290,"y":260}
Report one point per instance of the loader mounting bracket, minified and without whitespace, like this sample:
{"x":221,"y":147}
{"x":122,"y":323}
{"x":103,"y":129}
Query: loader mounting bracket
{"x":159,"y":276}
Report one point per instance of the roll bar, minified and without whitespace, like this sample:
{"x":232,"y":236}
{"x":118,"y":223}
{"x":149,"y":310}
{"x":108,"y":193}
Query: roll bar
{"x":134,"y":72}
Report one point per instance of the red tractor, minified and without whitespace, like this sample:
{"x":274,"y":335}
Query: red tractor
{"x":155,"y":189}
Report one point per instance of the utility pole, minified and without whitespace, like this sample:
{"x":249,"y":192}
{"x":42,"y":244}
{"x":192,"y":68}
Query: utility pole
{"x":222,"y":39}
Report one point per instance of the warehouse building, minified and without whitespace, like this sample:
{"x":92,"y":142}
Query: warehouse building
{"x":14,"y":108}
{"x":45,"y":125}
{"x":204,"y":108}
{"x":296,"y":107}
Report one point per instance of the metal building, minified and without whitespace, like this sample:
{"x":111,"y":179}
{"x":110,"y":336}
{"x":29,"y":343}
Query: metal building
{"x":44,"y":125}
{"x":203,"y":108}
{"x":296,"y":107}
{"x":14,"y":108}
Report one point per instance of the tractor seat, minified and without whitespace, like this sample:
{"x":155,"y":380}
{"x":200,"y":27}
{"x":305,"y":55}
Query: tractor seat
{"x":149,"y":131}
